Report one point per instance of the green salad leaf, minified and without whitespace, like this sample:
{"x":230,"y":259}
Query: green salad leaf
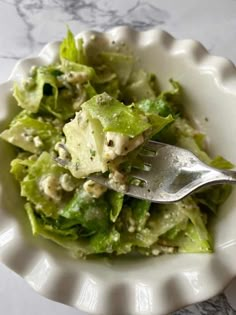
{"x":121,"y":64}
{"x":70,"y":51}
{"x":87,"y":114}
{"x":139,"y":87}
{"x":91,"y":213}
{"x":115,"y":116}
{"x":164,"y":104}
{"x":78,"y":247}
{"x":31,"y":134}
{"x":116,"y":200}
{"x":30,"y":96}
{"x":41,"y":185}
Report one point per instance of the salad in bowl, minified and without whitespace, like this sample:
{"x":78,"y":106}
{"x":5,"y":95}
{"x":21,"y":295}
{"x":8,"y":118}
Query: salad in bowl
{"x":91,"y":109}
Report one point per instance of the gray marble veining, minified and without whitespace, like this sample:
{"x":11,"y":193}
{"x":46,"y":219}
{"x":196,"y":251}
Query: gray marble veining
{"x":26,"y":25}
{"x":43,"y":20}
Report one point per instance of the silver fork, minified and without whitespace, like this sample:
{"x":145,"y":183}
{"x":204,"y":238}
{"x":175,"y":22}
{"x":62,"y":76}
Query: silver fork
{"x":171,"y":174}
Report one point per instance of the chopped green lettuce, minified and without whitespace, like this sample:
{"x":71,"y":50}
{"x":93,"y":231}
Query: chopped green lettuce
{"x":41,"y":185}
{"x":81,"y":116}
{"x":211,"y":198}
{"x":31,"y":134}
{"x":70,"y":66}
{"x":116,"y":200}
{"x":72,"y":52}
{"x":20,"y":166}
{"x":159,"y":123}
{"x":105,"y":242}
{"x":139,"y":87}
{"x":188,"y":241}
{"x":222,"y":163}
{"x":119,"y":63}
{"x":84,"y":141}
{"x":78,"y":247}
{"x":164,"y":104}
{"x":30,"y":95}
{"x":115,"y":116}
{"x":91,"y":213}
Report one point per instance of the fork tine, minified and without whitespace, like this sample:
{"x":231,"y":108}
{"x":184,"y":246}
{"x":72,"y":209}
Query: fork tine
{"x":148,"y":160}
{"x":139,"y":174}
{"x":135,"y":191}
{"x":153,"y":145}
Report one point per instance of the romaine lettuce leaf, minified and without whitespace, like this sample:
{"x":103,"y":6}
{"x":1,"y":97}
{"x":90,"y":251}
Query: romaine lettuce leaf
{"x":159,"y":123}
{"x":188,"y":241}
{"x":212,"y":197}
{"x":70,"y":66}
{"x":119,"y":63}
{"x":115,"y":116}
{"x":70,"y":51}
{"x":51,"y":91}
{"x":31,"y":134}
{"x":166,"y":103}
{"x":190,"y":144}
{"x":91,"y":213}
{"x":105,"y":242}
{"x":163,"y":218}
{"x":140,"y":209}
{"x":172,"y":98}
{"x":116,"y":200}
{"x":112,"y":88}
{"x":32,"y":186}
{"x":180,"y":225}
{"x":192,"y":211}
{"x":131,"y":224}
{"x":67,"y":239}
{"x":155,"y":106}
{"x":82,"y":58}
{"x":221,"y":163}
{"x":30,"y":96}
{"x":139,"y":87}
{"x":20,"y":166}
{"x":84,"y":141}
{"x":90,"y":91}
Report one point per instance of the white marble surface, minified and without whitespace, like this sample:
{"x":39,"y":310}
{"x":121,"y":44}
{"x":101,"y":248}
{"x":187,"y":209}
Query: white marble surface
{"x":26,"y":25}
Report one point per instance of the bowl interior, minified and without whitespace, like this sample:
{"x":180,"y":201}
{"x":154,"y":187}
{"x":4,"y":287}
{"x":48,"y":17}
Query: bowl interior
{"x":209,"y":86}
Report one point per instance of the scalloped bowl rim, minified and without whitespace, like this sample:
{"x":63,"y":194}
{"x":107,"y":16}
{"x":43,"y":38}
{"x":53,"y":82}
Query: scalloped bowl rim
{"x":117,"y":287}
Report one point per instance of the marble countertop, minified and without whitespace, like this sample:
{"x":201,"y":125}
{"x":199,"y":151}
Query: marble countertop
{"x":26,"y":25}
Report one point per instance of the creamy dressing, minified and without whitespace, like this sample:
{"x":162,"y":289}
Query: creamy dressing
{"x":66,"y":182}
{"x":94,"y":189}
{"x":51,"y":187}
{"x":37,"y":142}
{"x":75,"y":77}
{"x":117,"y":144}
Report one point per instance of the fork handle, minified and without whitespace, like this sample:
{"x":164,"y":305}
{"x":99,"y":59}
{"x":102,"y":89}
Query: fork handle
{"x":221,"y":176}
{"x":228,"y":176}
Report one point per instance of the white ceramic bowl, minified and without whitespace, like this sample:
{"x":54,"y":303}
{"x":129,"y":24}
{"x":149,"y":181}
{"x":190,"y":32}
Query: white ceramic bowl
{"x":124,"y":286}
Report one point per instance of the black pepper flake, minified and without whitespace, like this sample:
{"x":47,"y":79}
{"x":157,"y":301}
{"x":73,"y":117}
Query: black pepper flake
{"x":126,"y":148}
{"x":110,"y":143}
{"x":206,"y":119}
